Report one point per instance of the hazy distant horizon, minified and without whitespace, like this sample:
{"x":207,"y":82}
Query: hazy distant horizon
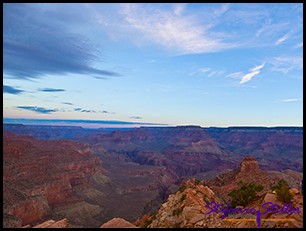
{"x":113,"y":123}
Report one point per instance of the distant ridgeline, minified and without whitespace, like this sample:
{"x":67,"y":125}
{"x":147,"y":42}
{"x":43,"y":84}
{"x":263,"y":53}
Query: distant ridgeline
{"x":256,"y":129}
{"x":276,"y":148}
{"x":55,"y":132}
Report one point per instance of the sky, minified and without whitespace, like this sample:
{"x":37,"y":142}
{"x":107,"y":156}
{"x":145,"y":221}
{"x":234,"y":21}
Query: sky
{"x":238,"y":64}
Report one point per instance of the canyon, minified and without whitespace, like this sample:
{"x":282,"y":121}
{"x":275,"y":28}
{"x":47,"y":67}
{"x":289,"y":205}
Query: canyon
{"x":90,"y":176}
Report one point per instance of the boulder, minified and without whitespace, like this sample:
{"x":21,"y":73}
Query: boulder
{"x":270,"y":197}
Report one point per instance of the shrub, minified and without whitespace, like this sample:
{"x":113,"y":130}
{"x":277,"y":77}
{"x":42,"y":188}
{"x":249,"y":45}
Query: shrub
{"x":182,"y":197}
{"x":182,"y":188}
{"x":245,"y":194}
{"x":177,"y":211}
{"x":282,"y":191}
{"x":150,"y":219}
{"x":147,"y":223}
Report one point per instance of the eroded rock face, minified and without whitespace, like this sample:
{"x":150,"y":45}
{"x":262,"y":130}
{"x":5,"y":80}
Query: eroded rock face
{"x":189,"y":206}
{"x":41,"y":176}
{"x":249,"y":165}
{"x":143,"y":163}
{"x":186,"y":208}
{"x":53,"y":224}
{"x":277,"y":148}
{"x":249,"y":172}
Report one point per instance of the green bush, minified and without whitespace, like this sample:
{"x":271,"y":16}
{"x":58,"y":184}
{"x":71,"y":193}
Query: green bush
{"x":147,"y":223}
{"x":182,"y":197}
{"x":177,"y":211}
{"x":197,"y":182}
{"x":282,"y":191}
{"x":182,"y":188}
{"x":150,"y":220}
{"x":245,"y":194}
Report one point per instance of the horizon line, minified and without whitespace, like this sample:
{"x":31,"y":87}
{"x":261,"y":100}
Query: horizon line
{"x":120,"y":123}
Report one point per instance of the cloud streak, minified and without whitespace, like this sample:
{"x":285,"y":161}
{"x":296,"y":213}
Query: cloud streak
{"x":299,"y":45}
{"x":67,"y":103}
{"x":235,"y":75}
{"x":136,"y":117}
{"x":290,"y":100}
{"x":207,"y":71}
{"x":83,"y":110}
{"x":286,"y":64}
{"x":11,"y":90}
{"x":282,"y":39}
{"x":107,"y":112}
{"x":40,"y":110}
{"x":172,"y":30}
{"x":51,"y":90}
{"x":253,"y":72}
{"x":36,"y":42}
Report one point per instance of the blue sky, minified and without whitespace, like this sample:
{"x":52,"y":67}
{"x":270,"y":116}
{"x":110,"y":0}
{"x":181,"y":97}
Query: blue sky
{"x":178,"y":64}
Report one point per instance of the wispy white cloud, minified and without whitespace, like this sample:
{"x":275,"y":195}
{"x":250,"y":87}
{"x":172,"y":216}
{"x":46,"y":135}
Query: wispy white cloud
{"x":268,"y":29}
{"x":248,"y":77}
{"x":253,"y":72}
{"x":299,"y":45}
{"x":286,"y":63}
{"x":201,"y":70}
{"x":235,"y":75}
{"x":282,"y":39}
{"x":181,"y":34}
{"x":179,"y":8}
{"x":219,"y":11}
{"x":207,"y":71}
{"x":257,"y":68}
{"x":288,"y":100}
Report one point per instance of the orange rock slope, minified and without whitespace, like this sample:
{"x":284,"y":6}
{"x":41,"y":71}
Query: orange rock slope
{"x":188,"y":207}
{"x":41,"y":176}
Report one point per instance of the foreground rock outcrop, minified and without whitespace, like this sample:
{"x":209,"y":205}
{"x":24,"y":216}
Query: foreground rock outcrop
{"x":118,"y":223}
{"x":186,"y":208}
{"x":51,"y":224}
{"x":192,"y":206}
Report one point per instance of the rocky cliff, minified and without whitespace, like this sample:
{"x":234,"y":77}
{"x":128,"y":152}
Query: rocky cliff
{"x":139,"y":168}
{"x":40,"y":178}
{"x":191,"y":206}
{"x":53,"y":179}
{"x":275,"y":148}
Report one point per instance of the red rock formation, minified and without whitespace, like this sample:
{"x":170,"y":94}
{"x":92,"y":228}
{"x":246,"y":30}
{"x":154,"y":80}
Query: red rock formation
{"x":31,"y":210}
{"x":41,"y":175}
{"x":249,"y":172}
{"x":249,"y":165}
{"x":276,"y":148}
{"x":191,"y":207}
